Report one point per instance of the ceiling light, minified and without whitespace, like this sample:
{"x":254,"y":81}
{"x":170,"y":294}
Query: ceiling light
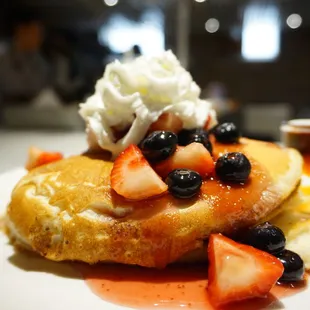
{"x":212,"y":25}
{"x":200,"y":1}
{"x":294,"y":21}
{"x":261,"y":33}
{"x":120,"y":34}
{"x":110,"y":2}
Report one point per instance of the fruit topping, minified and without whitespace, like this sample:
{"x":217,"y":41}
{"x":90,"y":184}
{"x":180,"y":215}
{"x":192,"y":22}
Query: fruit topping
{"x":38,"y":157}
{"x":184,"y":183}
{"x":167,"y":122}
{"x":206,"y":143}
{"x":207,"y":123}
{"x":265,"y":237}
{"x":294,"y":267}
{"x":226,"y":133}
{"x":159,"y":145}
{"x":238,"y":271}
{"x":233,"y":167}
{"x":200,"y":136}
{"x":193,"y":156}
{"x":185,"y":136}
{"x":133,"y":178}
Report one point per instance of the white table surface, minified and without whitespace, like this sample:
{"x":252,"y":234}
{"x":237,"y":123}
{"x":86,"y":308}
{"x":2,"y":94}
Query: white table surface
{"x":14,"y":145}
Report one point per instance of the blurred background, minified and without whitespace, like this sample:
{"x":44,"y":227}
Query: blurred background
{"x":251,"y":58}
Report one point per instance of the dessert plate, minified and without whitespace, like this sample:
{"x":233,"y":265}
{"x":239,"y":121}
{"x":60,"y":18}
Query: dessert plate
{"x":30,"y":282}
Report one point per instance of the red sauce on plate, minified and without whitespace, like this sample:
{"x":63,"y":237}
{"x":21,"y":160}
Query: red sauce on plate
{"x":178,"y":286}
{"x":175,"y":287}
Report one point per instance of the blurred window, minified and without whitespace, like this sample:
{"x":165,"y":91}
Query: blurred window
{"x":120,"y":34}
{"x":261,"y":33}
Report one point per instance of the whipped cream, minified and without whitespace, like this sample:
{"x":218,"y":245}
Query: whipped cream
{"x":133,"y":95}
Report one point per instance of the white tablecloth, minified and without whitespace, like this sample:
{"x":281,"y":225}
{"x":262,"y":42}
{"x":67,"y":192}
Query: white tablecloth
{"x":14,"y":145}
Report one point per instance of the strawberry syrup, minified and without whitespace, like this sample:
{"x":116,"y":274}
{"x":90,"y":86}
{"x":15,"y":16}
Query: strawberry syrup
{"x":175,"y":287}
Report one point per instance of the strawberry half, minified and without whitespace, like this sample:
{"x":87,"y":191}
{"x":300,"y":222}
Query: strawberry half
{"x":193,"y":156}
{"x":238,"y":271}
{"x":167,"y":122}
{"x":38,"y":157}
{"x":133,"y":178}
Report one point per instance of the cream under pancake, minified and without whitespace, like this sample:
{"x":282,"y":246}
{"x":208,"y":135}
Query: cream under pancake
{"x":67,"y":210}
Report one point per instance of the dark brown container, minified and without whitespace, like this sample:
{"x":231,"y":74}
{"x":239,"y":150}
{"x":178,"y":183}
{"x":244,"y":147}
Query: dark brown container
{"x":296,"y":134}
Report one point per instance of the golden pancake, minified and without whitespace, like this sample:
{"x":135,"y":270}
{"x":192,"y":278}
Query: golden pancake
{"x":294,"y":220}
{"x":67,"y":210}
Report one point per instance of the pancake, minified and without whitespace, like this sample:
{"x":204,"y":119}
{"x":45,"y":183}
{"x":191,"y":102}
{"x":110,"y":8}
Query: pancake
{"x":67,"y":210}
{"x":294,"y":220}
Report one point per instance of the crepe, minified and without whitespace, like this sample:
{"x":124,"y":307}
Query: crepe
{"x":67,"y":210}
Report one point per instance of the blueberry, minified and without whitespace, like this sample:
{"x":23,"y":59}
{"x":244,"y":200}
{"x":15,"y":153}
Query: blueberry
{"x":233,"y":167}
{"x":197,"y":135}
{"x":209,"y":147}
{"x":186,"y":135}
{"x":226,"y":133}
{"x":183,"y":183}
{"x":159,"y":145}
{"x":265,"y":237}
{"x":294,"y":267}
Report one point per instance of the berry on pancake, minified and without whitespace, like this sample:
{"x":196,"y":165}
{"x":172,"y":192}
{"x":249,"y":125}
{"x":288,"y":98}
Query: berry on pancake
{"x":184,"y":183}
{"x":193,"y":156}
{"x":133,"y":178}
{"x":159,"y":145}
{"x":167,"y":122}
{"x":226,"y":133}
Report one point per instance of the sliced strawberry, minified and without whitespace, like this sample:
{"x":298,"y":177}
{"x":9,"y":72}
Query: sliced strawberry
{"x":167,"y":122}
{"x":48,"y":157}
{"x":207,"y":123}
{"x":193,"y":156}
{"x":38,"y":157}
{"x":132,"y":177}
{"x":238,"y":271}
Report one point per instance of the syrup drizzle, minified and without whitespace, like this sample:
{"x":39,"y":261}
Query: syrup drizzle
{"x":175,"y":287}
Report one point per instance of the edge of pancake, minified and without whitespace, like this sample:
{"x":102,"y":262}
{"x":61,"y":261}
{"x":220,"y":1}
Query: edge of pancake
{"x":155,"y":252}
{"x":288,"y":183}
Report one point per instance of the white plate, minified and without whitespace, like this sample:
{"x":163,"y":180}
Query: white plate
{"x":34,"y":283}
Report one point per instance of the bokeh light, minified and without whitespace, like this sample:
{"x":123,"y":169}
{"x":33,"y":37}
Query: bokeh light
{"x":212,"y":25}
{"x":294,"y":21}
{"x":110,"y":2}
{"x":261,"y":33}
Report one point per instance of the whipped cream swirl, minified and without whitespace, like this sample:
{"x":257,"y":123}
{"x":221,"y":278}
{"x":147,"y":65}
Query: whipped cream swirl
{"x":133,"y":95}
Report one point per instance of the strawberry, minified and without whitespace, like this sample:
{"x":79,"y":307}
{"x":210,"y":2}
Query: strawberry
{"x":133,"y":178}
{"x":48,"y":157}
{"x":38,"y":157}
{"x":167,"y":122}
{"x":193,"y":156}
{"x":207,"y":123}
{"x":238,"y":271}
